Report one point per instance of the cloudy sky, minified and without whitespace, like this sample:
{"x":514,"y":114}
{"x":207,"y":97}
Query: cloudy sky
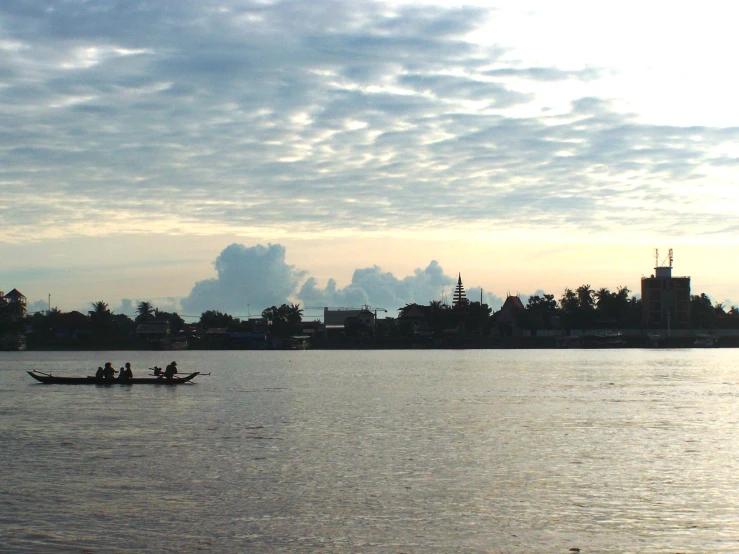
{"x":237,"y":154}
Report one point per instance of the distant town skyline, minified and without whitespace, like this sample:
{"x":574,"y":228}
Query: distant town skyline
{"x":246,"y":279}
{"x":528,"y":145}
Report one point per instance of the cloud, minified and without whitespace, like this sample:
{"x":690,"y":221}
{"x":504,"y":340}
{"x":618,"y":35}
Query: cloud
{"x":286,"y":117}
{"x":37,"y":306}
{"x":249,"y":278}
{"x":129,"y":306}
{"x":380,"y":289}
{"x":256,"y":277}
{"x":492,"y":300}
{"x":549,"y":74}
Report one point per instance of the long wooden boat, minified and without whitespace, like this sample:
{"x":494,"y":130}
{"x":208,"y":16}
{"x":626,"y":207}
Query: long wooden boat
{"x":57,"y":380}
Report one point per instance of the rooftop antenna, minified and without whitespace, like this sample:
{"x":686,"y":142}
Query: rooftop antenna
{"x":669,"y":259}
{"x":663,"y":268}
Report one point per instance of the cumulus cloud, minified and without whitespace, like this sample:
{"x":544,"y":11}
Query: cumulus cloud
{"x":290,"y":116}
{"x":492,"y":300}
{"x":37,"y":306}
{"x":257,"y":277}
{"x":129,"y":306}
{"x":380,"y":289}
{"x":248,"y":278}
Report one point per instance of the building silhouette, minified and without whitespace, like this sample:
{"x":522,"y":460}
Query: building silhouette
{"x":12,"y":305}
{"x":665,"y":299}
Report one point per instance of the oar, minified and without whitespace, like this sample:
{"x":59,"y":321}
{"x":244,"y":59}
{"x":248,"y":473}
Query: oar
{"x":42,"y":373}
{"x":179,"y":375}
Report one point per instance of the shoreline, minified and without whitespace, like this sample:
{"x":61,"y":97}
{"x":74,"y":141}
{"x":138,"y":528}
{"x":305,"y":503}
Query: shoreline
{"x":456,"y":343}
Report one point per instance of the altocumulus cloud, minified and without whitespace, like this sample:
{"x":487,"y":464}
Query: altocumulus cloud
{"x":257,"y":277}
{"x":244,"y":115}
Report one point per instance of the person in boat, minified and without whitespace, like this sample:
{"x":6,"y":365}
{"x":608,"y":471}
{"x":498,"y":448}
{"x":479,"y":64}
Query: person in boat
{"x":157,"y":371}
{"x":109,"y":371}
{"x":126,"y":373}
{"x":171,"y":370}
{"x":100,"y":374}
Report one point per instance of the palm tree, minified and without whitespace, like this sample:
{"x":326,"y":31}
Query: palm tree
{"x":294,"y":314}
{"x":101,"y":318}
{"x":585,"y":297}
{"x":145,"y":311}
{"x":99,"y":310}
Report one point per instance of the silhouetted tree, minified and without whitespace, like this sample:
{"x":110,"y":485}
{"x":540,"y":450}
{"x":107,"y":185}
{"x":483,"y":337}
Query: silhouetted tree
{"x":123,"y":325}
{"x":145,"y":312}
{"x":41,"y":325}
{"x":176,"y":323}
{"x":477,"y":318}
{"x":285,"y":319}
{"x":702,"y":313}
{"x":440,"y":315}
{"x":408,"y":308}
{"x":294,"y":314}
{"x":586,"y":305}
{"x":539,"y":312}
{"x":102,"y":319}
{"x":214,"y":319}
{"x":569,"y":306}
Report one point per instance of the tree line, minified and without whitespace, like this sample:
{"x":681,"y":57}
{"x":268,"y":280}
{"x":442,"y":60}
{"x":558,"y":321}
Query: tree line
{"x":585,"y":307}
{"x":579,"y":308}
{"x":103,"y":324}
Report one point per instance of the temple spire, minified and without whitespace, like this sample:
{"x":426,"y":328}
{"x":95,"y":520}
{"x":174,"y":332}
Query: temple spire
{"x":459,"y":295}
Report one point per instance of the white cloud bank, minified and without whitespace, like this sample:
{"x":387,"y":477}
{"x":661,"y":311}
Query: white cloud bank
{"x":253,"y":278}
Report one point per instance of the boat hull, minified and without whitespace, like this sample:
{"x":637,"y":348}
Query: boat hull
{"x":57,"y":380}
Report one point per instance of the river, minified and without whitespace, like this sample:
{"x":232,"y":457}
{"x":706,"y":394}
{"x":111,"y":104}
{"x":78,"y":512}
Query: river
{"x":375,"y":451}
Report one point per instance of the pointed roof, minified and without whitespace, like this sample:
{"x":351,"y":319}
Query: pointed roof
{"x":459,"y":294}
{"x":514,"y":304}
{"x":73,"y":318}
{"x":15,"y":293}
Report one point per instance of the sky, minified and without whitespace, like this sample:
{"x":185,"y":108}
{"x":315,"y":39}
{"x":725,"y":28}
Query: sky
{"x":234,"y":155}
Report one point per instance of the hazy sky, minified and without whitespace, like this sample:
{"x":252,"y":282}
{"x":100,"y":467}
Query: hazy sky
{"x":237,"y":154}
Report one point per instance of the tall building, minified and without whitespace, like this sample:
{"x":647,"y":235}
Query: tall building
{"x":665,"y":299}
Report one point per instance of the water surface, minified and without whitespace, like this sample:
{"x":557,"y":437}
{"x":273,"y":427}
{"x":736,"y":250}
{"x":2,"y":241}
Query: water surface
{"x":361,"y":451}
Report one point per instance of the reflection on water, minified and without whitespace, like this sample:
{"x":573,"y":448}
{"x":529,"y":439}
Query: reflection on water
{"x":432,"y":451}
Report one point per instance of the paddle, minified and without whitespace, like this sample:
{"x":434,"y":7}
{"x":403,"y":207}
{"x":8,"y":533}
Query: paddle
{"x":178,"y":375}
{"x":43,"y":373}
